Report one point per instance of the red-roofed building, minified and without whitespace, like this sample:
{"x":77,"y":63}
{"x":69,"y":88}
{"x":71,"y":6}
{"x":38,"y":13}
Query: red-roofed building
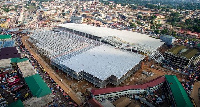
{"x":187,"y":32}
{"x":105,"y":93}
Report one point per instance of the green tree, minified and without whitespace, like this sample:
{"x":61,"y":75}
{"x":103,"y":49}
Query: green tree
{"x":133,"y":25}
{"x":164,"y":31}
{"x":174,"y":18}
{"x":133,"y":7}
{"x":6,"y":9}
{"x":139,"y":17}
{"x":153,"y":17}
{"x":156,"y":31}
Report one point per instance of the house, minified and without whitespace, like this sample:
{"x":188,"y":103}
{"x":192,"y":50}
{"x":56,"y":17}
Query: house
{"x":169,"y":40}
{"x":76,"y":19}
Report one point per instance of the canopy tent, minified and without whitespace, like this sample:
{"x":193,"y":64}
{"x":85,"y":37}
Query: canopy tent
{"x":5,"y":36}
{"x":180,"y":96}
{"x":17,"y":60}
{"x":37,"y":86}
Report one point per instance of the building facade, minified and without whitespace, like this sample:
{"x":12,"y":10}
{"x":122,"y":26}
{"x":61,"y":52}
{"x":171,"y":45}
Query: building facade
{"x":181,"y":56}
{"x":128,"y":91}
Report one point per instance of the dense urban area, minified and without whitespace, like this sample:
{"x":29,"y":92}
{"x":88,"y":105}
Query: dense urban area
{"x":100,"y":53}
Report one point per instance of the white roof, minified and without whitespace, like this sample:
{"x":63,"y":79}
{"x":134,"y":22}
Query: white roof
{"x":38,"y":102}
{"x":103,"y":61}
{"x":26,"y":68}
{"x":5,"y":63}
{"x":57,"y":44}
{"x":128,"y":36}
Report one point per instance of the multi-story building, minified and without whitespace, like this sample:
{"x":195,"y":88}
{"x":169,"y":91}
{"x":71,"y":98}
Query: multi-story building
{"x":84,"y":58}
{"x":129,"y":91}
{"x":181,"y":56}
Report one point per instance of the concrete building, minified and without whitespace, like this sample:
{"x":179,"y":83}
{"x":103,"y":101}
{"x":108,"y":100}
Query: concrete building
{"x":84,"y":58}
{"x":123,"y":39}
{"x":128,"y":91}
{"x":76,"y":19}
{"x":169,"y":40}
{"x":141,"y":42}
{"x":181,"y":56}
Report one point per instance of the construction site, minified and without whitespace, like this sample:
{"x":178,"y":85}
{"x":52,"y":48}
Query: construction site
{"x":148,"y":69}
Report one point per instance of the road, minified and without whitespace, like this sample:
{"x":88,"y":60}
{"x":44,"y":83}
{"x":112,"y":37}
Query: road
{"x":194,"y":93}
{"x":51,"y":72}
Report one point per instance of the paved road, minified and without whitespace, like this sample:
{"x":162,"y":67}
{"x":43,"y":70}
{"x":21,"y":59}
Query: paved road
{"x":51,"y":73}
{"x":194,"y":93}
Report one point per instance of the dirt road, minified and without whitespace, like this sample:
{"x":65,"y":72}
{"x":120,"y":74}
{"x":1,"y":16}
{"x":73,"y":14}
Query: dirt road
{"x":194,"y":93}
{"x":51,"y":73}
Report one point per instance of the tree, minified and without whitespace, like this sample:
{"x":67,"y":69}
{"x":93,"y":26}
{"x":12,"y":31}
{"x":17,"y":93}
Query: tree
{"x":133,"y":25}
{"x":174,"y":18}
{"x":6,"y":9}
{"x":164,"y":31}
{"x":133,"y":7}
{"x":139,"y":17}
{"x":156,"y":31}
{"x":158,"y":26}
{"x":138,"y":22}
{"x":153,"y":17}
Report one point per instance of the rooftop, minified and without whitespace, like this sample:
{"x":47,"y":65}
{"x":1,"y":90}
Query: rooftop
{"x":60,"y":43}
{"x":26,"y":68}
{"x":180,"y":96}
{"x":117,"y":89}
{"x":17,"y":60}
{"x":37,"y":86}
{"x":5,"y":36}
{"x":176,"y":49}
{"x":107,"y":103}
{"x":38,"y":102}
{"x":9,"y":52}
{"x":190,"y":53}
{"x":113,"y":62}
{"x":122,"y":102}
{"x":183,"y":51}
{"x":94,"y":103}
{"x":5,"y":63}
{"x":128,"y":36}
